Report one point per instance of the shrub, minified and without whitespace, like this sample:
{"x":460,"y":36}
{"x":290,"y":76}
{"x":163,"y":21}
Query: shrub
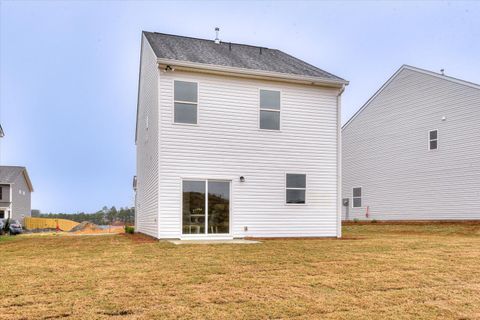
{"x":129,"y":229}
{"x":355,"y":220}
{"x":374,"y":221}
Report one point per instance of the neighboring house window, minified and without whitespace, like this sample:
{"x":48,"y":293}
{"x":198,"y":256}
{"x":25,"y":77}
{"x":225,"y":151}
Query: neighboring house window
{"x":357,"y":197}
{"x":296,"y":188}
{"x":433,"y":140}
{"x":1,"y":193}
{"x":269,"y":109}
{"x":185,"y":102}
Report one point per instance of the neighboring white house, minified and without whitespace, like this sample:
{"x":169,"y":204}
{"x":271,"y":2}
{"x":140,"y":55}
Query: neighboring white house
{"x":15,"y":193}
{"x":412,"y":152}
{"x":235,"y":141}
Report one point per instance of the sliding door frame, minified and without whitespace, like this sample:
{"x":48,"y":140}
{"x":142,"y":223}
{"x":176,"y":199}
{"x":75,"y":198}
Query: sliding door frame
{"x":206,"y":235}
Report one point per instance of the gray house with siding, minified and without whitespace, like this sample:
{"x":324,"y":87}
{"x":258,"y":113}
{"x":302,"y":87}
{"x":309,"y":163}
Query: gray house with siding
{"x":412,"y":152}
{"x":15,"y":193}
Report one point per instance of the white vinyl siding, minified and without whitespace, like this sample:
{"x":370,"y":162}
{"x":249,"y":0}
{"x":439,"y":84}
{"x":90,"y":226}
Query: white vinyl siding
{"x":21,"y":199}
{"x":385,"y":151}
{"x":228,"y":144}
{"x":146,"y":203}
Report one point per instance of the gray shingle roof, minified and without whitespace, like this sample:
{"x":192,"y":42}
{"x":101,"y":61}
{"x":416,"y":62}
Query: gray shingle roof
{"x":196,"y":50}
{"x":8,"y":174}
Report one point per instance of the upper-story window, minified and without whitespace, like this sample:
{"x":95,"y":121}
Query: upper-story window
{"x":270,"y":109}
{"x":1,"y":193}
{"x":185,"y":102}
{"x":433,"y":140}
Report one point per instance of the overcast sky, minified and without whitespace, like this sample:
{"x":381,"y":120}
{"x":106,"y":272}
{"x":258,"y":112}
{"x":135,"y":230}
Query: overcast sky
{"x":69,"y":72}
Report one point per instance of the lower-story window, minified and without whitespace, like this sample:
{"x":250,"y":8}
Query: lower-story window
{"x":296,"y":187}
{"x":206,"y":207}
{"x":357,"y":197}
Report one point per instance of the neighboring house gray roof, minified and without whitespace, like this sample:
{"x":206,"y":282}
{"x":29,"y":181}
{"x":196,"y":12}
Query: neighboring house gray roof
{"x":8,"y":175}
{"x":403,"y":67}
{"x":228,"y":54}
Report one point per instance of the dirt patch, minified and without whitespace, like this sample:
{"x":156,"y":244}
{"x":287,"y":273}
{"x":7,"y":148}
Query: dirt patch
{"x":85,"y":225}
{"x":91,"y":228}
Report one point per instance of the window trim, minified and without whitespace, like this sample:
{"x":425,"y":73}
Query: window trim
{"x":430,"y":140}
{"x":197,"y":105}
{"x":286,"y":188}
{"x":361,"y":197}
{"x":260,"y":109}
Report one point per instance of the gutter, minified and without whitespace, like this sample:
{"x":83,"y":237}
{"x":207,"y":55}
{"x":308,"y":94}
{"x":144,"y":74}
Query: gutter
{"x":249,"y":73}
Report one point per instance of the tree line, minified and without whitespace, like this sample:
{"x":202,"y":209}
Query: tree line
{"x":101,"y":217}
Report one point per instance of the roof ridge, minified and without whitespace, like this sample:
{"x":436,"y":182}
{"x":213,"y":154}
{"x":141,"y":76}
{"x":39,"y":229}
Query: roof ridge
{"x":21,"y":167}
{"x":209,"y":40}
{"x":439,"y":75}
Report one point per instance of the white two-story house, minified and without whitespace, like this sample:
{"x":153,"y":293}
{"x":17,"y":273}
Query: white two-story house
{"x":235,"y":141}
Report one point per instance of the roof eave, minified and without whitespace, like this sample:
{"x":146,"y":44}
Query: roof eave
{"x":441,"y":76}
{"x":27,"y":179}
{"x":250,"y":73}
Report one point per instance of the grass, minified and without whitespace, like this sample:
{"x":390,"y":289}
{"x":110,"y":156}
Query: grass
{"x":376,"y":272}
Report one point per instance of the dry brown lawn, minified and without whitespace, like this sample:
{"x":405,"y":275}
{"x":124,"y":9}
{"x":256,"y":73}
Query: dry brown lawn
{"x":378,"y":272}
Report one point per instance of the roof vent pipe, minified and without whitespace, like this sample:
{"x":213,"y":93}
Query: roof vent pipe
{"x":217,"y":40}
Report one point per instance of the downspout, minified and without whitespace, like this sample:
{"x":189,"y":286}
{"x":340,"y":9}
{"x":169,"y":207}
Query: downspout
{"x":339,"y":162}
{"x":159,"y":160}
{"x":10,"y":205}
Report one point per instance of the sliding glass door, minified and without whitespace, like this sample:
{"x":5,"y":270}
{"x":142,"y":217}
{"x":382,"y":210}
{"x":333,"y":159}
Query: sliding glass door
{"x":218,"y":206}
{"x":206,"y":207}
{"x":194,"y":206}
